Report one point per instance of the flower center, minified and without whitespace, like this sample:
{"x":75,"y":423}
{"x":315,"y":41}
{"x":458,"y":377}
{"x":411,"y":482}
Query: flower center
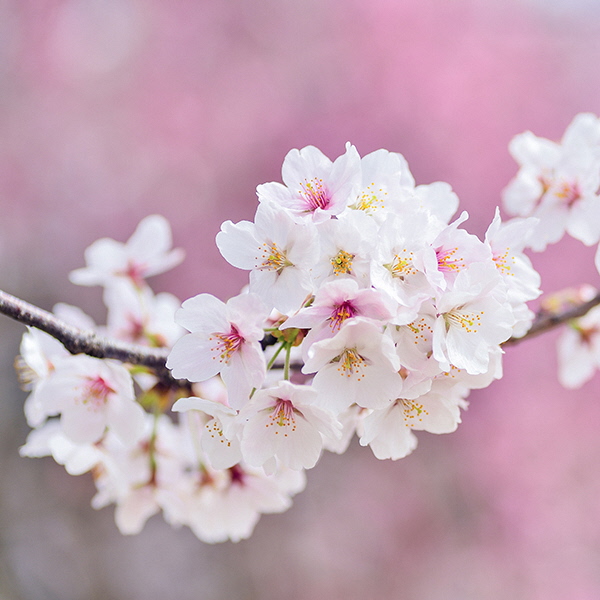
{"x":96,"y":392}
{"x":447,"y":260}
{"x":501,"y":261}
{"x":370,"y":199}
{"x":568,"y":192}
{"x":283,"y":417}
{"x":315,"y":195}
{"x":413,"y":411}
{"x":340,"y":313}
{"x":469,"y":321}
{"x":273,"y":259}
{"x":227,"y":344}
{"x":351,"y":364}
{"x":342,"y":263}
{"x":402,"y":265}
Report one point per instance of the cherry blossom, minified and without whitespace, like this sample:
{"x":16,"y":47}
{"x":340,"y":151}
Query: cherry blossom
{"x":314,"y":187}
{"x":147,"y":252}
{"x":283,"y":423}
{"x":224,"y":339}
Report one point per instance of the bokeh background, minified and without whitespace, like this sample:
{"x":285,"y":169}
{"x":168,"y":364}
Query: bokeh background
{"x":111,"y":110}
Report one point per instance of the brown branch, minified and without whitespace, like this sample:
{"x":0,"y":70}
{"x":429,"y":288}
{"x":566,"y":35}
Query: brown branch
{"x":80,"y":341}
{"x":546,"y":320}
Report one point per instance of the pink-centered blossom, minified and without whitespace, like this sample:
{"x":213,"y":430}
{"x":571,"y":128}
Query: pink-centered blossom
{"x":282,"y":423}
{"x":147,"y":252}
{"x":315,"y":187}
{"x":223,"y":338}
{"x":359,"y":365}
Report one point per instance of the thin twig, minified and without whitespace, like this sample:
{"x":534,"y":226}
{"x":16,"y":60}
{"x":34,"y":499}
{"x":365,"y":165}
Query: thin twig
{"x":546,"y":320}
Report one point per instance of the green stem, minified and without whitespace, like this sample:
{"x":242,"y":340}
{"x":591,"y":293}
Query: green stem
{"x":274,"y":357}
{"x":286,"y":368}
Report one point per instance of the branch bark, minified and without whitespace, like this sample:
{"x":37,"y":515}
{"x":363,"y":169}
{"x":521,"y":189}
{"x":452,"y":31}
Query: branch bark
{"x":546,"y":320}
{"x":79,"y":341}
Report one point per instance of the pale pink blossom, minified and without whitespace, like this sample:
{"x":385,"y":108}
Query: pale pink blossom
{"x":283,"y":423}
{"x":147,"y":252}
{"x":359,"y":365}
{"x":225,"y":339}
{"x":278,"y":252}
{"x":315,"y":188}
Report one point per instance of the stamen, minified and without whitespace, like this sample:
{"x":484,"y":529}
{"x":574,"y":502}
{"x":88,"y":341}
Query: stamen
{"x":469,"y":321}
{"x":342,"y":263}
{"x":273,"y":259}
{"x":283,"y":417}
{"x":447,"y":260}
{"x":95,"y":392}
{"x":340,"y":313}
{"x":315,"y":194}
{"x":351,"y":364}
{"x":227,"y":344}
{"x":402,"y":265}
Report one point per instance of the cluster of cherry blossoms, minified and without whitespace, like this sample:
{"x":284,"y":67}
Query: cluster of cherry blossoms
{"x":370,"y":312}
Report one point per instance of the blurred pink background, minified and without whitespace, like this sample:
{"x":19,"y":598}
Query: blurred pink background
{"x":115,"y":109}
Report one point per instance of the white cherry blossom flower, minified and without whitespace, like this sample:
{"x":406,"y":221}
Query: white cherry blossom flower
{"x":359,"y":365}
{"x":139,"y":316}
{"x":346,"y":245}
{"x":558,"y":183}
{"x":335,"y":303}
{"x":579,"y":350}
{"x":147,"y":252}
{"x":507,"y":241}
{"x":315,"y":188}
{"x":471,"y":320}
{"x":90,"y":395}
{"x":219,"y":439}
{"x":388,"y":431}
{"x":278,"y":252}
{"x":225,"y":339}
{"x":283,"y":423}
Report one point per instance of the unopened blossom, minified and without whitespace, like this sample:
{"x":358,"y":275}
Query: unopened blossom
{"x":90,"y":395}
{"x":315,"y":187}
{"x":558,"y":183}
{"x":359,"y":365}
{"x":471,"y":320}
{"x":278,"y":252}
{"x":147,"y":252}
{"x":223,"y":338}
{"x":283,"y":423}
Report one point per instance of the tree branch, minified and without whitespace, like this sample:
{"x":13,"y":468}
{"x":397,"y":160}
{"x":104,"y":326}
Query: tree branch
{"x":546,"y":320}
{"x":79,"y":341}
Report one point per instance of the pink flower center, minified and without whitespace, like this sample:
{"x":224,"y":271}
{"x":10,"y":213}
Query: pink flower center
{"x":135,"y":272}
{"x":315,"y":195}
{"x":447,"y":260}
{"x":226,"y":344}
{"x":569,"y":192}
{"x":96,"y":392}
{"x":340,"y":313}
